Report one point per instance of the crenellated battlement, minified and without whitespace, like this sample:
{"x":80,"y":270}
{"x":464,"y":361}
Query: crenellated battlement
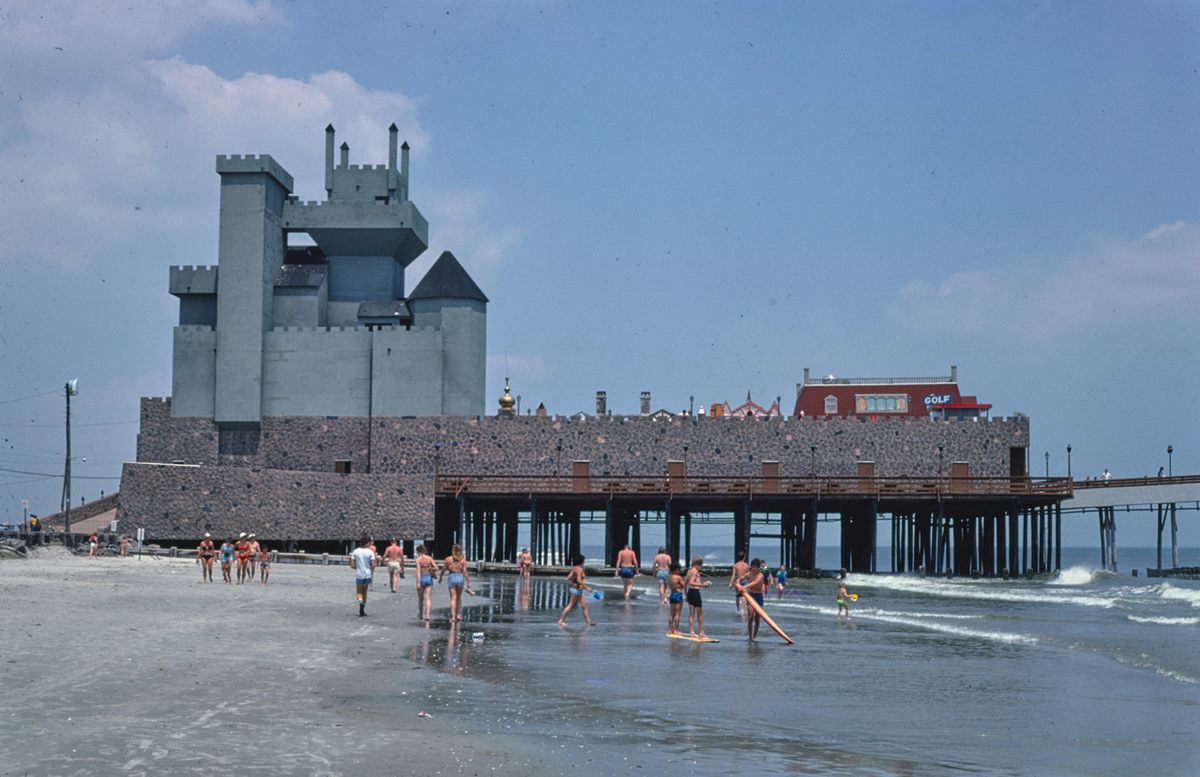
{"x":193,"y":328}
{"x":252,"y":163}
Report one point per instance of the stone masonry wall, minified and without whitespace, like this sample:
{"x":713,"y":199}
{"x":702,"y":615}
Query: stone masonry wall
{"x":288,"y":487}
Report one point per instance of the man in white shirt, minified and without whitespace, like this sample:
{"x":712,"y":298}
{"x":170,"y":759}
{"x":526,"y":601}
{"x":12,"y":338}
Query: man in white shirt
{"x":363,"y":562}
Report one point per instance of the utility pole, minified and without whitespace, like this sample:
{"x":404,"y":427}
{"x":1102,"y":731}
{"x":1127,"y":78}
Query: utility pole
{"x":71,"y":388}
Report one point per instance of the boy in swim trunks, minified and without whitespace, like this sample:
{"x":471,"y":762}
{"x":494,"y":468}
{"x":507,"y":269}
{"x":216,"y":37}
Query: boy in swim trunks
{"x":780,"y":581}
{"x":675,"y":596}
{"x":264,"y":564}
{"x":756,"y":586}
{"x":575,"y":590}
{"x":693,"y":583}
{"x":662,"y":570}
{"x":426,"y":569}
{"x":627,"y":565}
{"x":525,"y":562}
{"x":842,"y":599}
{"x":362,"y":561}
{"x":394,"y":556}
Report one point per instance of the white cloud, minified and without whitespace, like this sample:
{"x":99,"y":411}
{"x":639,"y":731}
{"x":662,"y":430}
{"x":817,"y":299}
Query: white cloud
{"x":459,"y":223}
{"x":1112,"y":283}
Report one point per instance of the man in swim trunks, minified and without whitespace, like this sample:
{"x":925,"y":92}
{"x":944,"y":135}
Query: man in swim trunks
{"x":842,"y":598}
{"x":205,"y":554}
{"x":662,"y":570}
{"x":675,"y":597}
{"x":627,"y":565}
{"x":250,"y":538}
{"x":394,"y":556}
{"x":362,"y":561}
{"x":524,"y":562}
{"x":426,"y":569}
{"x":693,"y":583}
{"x":756,"y":586}
{"x":740,"y":568}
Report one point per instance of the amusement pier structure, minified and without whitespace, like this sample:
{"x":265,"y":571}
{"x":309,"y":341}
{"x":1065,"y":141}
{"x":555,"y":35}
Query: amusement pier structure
{"x":315,"y":397}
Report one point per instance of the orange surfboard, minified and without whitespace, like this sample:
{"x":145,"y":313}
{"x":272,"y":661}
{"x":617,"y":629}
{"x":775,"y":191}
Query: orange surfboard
{"x":766,"y":618}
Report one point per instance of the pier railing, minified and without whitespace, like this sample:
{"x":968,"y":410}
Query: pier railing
{"x":820,"y":487}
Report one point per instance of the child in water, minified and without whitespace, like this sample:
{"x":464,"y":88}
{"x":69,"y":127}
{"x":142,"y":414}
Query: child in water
{"x":780,"y":581}
{"x":842,"y":598}
{"x":675,"y":597}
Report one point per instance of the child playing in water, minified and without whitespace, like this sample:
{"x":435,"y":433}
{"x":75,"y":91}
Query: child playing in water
{"x":675,"y":596}
{"x":576,"y":589}
{"x":780,"y":581}
{"x":842,"y":598}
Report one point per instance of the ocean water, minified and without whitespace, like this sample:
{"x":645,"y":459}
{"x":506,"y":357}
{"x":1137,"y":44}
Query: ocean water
{"x":1083,"y":673}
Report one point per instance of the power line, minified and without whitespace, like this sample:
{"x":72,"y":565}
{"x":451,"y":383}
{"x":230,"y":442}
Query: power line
{"x":47,"y":475}
{"x":31,"y":396}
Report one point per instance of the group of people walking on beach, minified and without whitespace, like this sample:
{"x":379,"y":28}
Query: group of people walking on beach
{"x":453,"y":569}
{"x":246,"y":553}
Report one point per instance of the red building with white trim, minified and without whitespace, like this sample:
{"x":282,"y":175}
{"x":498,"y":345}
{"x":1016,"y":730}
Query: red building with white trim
{"x":938,"y":397}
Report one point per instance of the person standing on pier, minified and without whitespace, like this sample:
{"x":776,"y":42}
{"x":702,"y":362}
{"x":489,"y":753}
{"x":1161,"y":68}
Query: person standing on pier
{"x":362,"y":561}
{"x":662,"y":571}
{"x":740,"y":569}
{"x":426,"y":568}
{"x":694,"y":600}
{"x":627,"y":565}
{"x":576,"y":587}
{"x":394,"y":556}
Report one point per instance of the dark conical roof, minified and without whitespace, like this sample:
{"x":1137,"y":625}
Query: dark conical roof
{"x":447,"y":279}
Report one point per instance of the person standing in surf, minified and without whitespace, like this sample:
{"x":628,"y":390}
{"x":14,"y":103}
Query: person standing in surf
{"x":426,"y":569}
{"x":675,"y":596}
{"x":740,"y":568}
{"x":693,"y":584}
{"x":524,"y":563}
{"x":627,"y":565}
{"x":780,"y":581}
{"x":755,"y":586}
{"x":456,"y":566}
{"x":662,"y":570}
{"x":362,"y":561}
{"x":576,"y":587}
{"x":842,"y":600}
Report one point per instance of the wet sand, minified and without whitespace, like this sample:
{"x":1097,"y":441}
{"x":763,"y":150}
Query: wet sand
{"x":135,"y":667}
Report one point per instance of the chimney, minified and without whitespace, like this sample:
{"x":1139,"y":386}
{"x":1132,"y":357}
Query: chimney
{"x":329,"y":160}
{"x":805,"y":376}
{"x":954,"y":373}
{"x":404,"y":172}
{"x":645,"y":403}
{"x":392,"y":130}
{"x":345,"y":154}
{"x":601,"y":402}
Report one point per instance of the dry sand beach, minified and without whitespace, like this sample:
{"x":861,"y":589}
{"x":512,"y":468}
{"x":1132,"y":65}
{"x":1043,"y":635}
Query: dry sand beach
{"x":135,"y":667}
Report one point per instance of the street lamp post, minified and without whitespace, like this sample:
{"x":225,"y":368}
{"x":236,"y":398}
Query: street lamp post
{"x":1047,"y":465}
{"x":1068,"y":462}
{"x":558,"y":457}
{"x":941,"y":450}
{"x":70,"y":389}
{"x":1170,"y":451}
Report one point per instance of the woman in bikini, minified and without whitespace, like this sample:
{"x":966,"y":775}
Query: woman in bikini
{"x":575,"y":590}
{"x":426,"y":569}
{"x":459,"y":580}
{"x":205,"y":553}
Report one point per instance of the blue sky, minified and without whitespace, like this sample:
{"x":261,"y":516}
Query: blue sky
{"x":690,"y":199}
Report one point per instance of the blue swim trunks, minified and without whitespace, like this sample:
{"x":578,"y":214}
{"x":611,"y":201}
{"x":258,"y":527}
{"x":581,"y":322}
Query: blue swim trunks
{"x":456,"y":580}
{"x":363,"y":580}
{"x":662,"y":575}
{"x":627,"y":572}
{"x":757,"y":597}
{"x":426,"y":580}
{"x":675,"y":597}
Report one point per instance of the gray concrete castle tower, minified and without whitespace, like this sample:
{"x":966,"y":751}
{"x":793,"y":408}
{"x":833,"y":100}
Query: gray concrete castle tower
{"x":324,"y":330}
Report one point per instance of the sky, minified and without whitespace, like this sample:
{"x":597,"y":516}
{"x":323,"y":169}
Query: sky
{"x":692,"y":199}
